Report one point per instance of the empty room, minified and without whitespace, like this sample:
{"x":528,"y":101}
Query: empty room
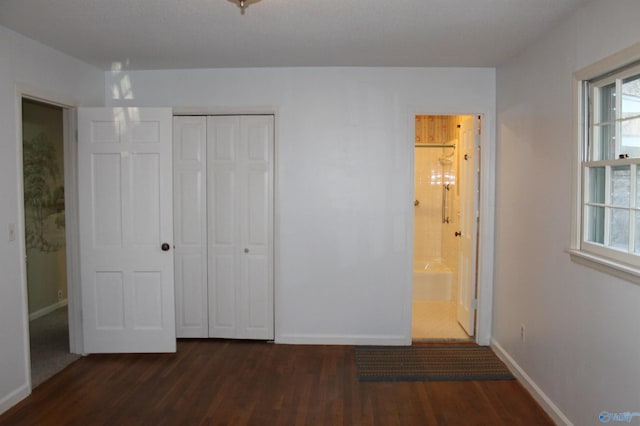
{"x":253,"y":212}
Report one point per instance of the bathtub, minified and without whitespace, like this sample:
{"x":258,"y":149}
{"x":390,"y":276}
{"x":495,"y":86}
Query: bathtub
{"x":432,"y":281}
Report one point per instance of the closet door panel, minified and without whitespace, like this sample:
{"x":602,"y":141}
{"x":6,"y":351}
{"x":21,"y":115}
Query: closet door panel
{"x":257,"y":231}
{"x":222,"y":212}
{"x":240,"y":218}
{"x":191,"y":312}
{"x":190,"y":226}
{"x":222,"y":300}
{"x":189,"y":187}
{"x":258,"y":209}
{"x":221,"y":208}
{"x":258,"y":310}
{"x":259,"y":139}
{"x":223,"y":256}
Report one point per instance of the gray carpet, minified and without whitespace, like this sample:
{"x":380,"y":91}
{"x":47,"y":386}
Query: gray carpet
{"x":49,"y":346}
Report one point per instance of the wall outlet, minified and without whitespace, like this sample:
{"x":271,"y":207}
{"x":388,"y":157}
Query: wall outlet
{"x":522,"y":332}
{"x":59,"y":295}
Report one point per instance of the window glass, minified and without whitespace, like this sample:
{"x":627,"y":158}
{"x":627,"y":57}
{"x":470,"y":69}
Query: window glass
{"x":597,"y":184}
{"x":630,"y":144}
{"x":595,"y":224}
{"x":620,"y":185}
{"x":619,"y":229}
{"x":607,"y":101}
{"x":637,"y":232}
{"x":631,"y":97}
{"x":637,"y":187}
{"x":611,"y":191}
{"x":605,"y":142}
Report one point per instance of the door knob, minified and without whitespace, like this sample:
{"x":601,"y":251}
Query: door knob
{"x":246,"y":250}
{"x":165,"y":246}
{"x":458,"y":233}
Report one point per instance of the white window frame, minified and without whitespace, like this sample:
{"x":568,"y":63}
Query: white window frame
{"x":622,"y":264}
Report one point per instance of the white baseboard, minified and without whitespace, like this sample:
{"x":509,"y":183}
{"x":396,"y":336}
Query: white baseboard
{"x":14,"y":397}
{"x":47,"y":309}
{"x":547,"y":404}
{"x":342,"y":339}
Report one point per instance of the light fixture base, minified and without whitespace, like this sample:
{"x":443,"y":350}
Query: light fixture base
{"x":243,"y":4}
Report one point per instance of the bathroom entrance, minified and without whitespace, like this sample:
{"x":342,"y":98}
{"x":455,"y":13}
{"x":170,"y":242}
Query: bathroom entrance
{"x":446,"y":181}
{"x":45,"y":172}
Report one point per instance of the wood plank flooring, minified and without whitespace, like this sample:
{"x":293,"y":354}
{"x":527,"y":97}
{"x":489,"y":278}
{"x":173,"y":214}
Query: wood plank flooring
{"x":217,"y":382}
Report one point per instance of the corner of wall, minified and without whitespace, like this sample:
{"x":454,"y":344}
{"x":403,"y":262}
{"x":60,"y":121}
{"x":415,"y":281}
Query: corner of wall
{"x":13,"y":398}
{"x":547,"y":404}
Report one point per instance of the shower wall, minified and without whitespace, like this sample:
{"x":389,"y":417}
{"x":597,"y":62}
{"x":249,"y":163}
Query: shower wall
{"x":435,"y":167}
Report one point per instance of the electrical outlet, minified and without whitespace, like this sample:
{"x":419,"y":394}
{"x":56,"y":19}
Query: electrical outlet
{"x":522,"y":332}
{"x":59,"y":295}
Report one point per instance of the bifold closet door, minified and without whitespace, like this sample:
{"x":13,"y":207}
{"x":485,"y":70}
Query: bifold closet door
{"x":190,"y":225}
{"x":240,"y":226}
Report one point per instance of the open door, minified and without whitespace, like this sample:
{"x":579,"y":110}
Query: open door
{"x":469,"y":177}
{"x":126,"y":229}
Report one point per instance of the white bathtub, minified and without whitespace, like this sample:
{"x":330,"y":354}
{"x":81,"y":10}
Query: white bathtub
{"x":432,"y":281}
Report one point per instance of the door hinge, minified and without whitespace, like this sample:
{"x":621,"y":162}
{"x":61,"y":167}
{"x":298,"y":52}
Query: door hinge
{"x":474,"y":304}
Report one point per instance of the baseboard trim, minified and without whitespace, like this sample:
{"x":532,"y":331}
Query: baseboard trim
{"x":342,"y":339}
{"x":547,"y":404}
{"x":47,"y":309}
{"x":14,"y":397}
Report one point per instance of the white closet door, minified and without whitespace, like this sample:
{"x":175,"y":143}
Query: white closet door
{"x":190,"y":225}
{"x":256,"y":230}
{"x":240,"y":226}
{"x":126,"y":229}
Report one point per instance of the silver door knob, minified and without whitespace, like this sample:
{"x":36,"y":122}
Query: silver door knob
{"x":246,"y":250}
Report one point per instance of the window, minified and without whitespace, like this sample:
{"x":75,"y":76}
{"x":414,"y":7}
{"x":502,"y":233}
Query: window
{"x":611,"y":166}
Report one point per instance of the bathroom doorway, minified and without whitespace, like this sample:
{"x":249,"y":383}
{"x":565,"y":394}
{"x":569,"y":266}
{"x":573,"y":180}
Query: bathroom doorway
{"x":446,"y":182}
{"x":45,"y":241}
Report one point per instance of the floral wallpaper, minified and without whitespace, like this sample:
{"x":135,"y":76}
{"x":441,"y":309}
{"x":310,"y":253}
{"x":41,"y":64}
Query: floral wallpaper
{"x":43,"y":184}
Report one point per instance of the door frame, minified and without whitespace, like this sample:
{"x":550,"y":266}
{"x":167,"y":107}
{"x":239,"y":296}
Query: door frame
{"x":258,"y":110}
{"x":486,"y":208}
{"x":71,"y":215}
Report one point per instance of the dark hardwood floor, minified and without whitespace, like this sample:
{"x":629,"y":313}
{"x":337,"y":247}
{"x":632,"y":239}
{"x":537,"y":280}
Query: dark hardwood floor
{"x":252,"y":383}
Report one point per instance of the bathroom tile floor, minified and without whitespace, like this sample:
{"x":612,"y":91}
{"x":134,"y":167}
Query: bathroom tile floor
{"x":436,"y":321}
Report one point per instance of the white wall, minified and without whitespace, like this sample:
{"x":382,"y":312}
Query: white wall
{"x":26,"y":64}
{"x":344,"y":196}
{"x":581,"y":348}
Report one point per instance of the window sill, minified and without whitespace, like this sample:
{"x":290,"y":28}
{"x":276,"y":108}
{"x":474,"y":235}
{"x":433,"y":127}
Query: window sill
{"x":607,"y":266}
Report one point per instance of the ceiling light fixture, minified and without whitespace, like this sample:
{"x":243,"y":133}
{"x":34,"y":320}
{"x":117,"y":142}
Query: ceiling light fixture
{"x":243,"y":4}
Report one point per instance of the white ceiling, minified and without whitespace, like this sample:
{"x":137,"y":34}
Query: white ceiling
{"x":165,"y":34}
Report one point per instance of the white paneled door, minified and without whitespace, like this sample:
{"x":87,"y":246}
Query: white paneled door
{"x":190,"y":225}
{"x":240,"y":157}
{"x":126,"y":229}
{"x":469,"y":180}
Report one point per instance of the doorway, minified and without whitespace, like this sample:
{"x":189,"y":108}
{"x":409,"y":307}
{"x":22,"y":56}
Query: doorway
{"x":45,"y":242}
{"x":446,"y":182}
